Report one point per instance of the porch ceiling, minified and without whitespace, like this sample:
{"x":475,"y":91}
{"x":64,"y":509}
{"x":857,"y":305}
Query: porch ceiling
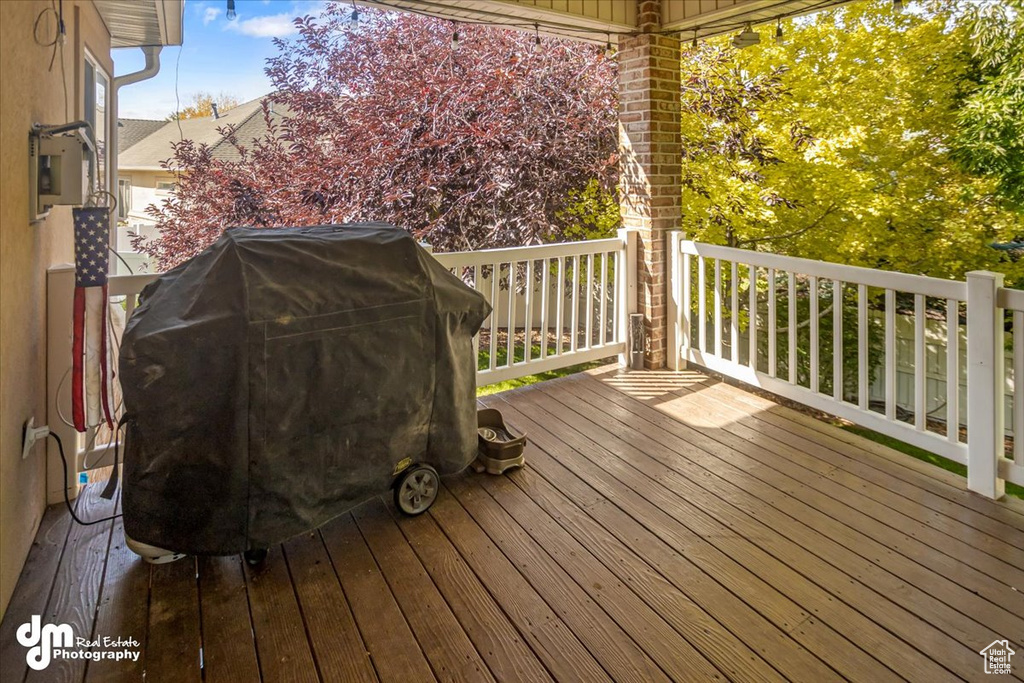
{"x":136,"y":23}
{"x":598,"y":20}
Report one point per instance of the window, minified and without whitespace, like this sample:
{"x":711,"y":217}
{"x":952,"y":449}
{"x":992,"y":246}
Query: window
{"x":124,"y":197}
{"x":165,"y":186}
{"x":96,"y":106}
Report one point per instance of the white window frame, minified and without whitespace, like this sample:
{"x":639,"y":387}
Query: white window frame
{"x":89,"y":110}
{"x":124,"y":199}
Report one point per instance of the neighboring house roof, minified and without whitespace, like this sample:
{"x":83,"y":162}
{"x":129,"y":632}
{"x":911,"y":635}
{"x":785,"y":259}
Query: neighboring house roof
{"x":131,"y":131}
{"x":147,"y":153}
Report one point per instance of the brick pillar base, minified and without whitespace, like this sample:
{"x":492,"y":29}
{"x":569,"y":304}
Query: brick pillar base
{"x":649,"y":166}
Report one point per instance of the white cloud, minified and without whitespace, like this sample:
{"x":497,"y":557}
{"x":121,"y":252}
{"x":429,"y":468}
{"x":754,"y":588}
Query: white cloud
{"x":268,"y":26}
{"x":209,"y":14}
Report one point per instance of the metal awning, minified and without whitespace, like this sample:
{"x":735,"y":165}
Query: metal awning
{"x":137,"y":23}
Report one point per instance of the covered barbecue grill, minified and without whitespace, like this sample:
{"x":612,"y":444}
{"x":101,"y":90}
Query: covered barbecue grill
{"x":283,"y":376}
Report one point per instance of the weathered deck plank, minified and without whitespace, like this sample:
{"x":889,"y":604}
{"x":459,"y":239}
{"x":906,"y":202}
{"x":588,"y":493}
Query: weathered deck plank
{"x":668,"y":526}
{"x":229,"y":653}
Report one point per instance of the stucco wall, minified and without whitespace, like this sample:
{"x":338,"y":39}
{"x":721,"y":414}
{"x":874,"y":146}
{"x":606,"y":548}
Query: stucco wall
{"x":30,"y":93}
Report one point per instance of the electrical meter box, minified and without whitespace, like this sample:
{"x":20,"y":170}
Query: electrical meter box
{"x":58,"y":171}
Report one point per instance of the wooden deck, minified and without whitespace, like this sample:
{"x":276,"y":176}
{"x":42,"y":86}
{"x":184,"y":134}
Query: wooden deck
{"x":667,"y":527}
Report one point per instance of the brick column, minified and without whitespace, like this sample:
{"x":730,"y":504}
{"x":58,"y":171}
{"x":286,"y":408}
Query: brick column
{"x":649,"y":149}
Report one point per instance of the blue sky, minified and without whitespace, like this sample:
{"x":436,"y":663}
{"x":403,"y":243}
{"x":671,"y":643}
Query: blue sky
{"x":217,"y":56}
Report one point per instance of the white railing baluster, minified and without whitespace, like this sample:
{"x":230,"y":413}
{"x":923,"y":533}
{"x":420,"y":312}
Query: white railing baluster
{"x":773,"y":326}
{"x":560,"y":306}
{"x":605,"y":318}
{"x":718,"y":308}
{"x":478,"y":286}
{"x":920,"y":363}
{"x":687,"y":304}
{"x":528,"y":314}
{"x":890,"y":354}
{"x":702,"y":320}
{"x":752,"y":315}
{"x":493,"y":324}
{"x":1018,"y":387}
{"x":953,"y":370}
{"x":862,"y":346}
{"x":791,"y":293}
{"x":837,"y":340}
{"x":814,"y":333}
{"x":734,"y":314}
{"x":545,"y":284}
{"x":511,"y":329}
{"x":590,"y":301}
{"x":616,"y":286}
{"x":575,"y":313}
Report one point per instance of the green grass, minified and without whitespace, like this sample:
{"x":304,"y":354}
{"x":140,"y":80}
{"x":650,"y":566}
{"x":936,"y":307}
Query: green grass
{"x":921,"y":454}
{"x":484,"y":361}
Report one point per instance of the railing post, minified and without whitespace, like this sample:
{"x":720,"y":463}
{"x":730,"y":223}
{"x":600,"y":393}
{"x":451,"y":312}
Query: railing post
{"x":985,"y":377}
{"x":60,"y":292}
{"x":673,"y":297}
{"x":627,"y":285}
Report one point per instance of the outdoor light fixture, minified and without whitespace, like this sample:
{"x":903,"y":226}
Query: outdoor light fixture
{"x":353,"y":22}
{"x":536,"y":39}
{"x":897,"y":5}
{"x":694,"y":43}
{"x":746,"y":38}
{"x":455,"y":40}
{"x":609,"y":52}
{"x":231,"y":13}
{"x":778,"y":33}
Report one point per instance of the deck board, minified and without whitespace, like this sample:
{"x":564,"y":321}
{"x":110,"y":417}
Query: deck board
{"x":229,"y":653}
{"x":78,"y":582}
{"x":858,"y":595}
{"x":822,"y":534}
{"x":668,"y":526}
{"x":174,"y":640}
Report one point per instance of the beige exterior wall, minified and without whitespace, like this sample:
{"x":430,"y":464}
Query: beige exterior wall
{"x":143,"y":194}
{"x":30,"y":94}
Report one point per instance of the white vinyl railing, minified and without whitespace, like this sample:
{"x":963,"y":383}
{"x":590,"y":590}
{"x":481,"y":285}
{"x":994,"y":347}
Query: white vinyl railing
{"x":558,"y":304}
{"x":553,"y":306}
{"x":801,"y":329}
{"x":1013,"y":300}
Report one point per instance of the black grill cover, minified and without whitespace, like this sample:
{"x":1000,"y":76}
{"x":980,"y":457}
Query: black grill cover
{"x":278,"y":378}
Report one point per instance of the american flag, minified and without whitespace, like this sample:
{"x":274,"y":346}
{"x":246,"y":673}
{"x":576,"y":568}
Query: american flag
{"x":91,"y":375}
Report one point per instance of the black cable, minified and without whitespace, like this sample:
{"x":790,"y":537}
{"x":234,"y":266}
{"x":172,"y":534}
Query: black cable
{"x":67,"y":499}
{"x":121,"y":259}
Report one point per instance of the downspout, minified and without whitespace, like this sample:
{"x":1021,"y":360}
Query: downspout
{"x":151,"y":69}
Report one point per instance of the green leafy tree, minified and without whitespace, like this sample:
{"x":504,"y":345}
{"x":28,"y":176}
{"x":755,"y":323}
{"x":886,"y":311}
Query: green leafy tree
{"x":201,"y":105}
{"x":991,"y":118}
{"x":837,"y":145}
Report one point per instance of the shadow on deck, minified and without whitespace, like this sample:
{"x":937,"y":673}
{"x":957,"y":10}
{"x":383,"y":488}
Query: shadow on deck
{"x":667,"y":526}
